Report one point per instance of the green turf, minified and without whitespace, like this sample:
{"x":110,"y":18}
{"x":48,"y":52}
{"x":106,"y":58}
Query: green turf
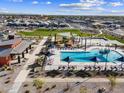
{"x":47,"y":32}
{"x":112,"y":37}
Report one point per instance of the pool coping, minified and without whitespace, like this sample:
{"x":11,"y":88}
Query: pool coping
{"x":57,"y":62}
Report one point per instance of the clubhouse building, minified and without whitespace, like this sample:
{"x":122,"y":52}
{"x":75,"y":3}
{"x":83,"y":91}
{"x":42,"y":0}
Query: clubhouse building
{"x":13,"y":49}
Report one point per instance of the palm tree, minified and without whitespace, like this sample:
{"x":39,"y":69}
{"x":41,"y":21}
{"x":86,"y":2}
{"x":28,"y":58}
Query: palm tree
{"x":90,"y":39}
{"x":105,"y":52}
{"x":68,"y":60}
{"x":85,"y":44}
{"x":95,"y":60}
{"x":55,"y":38}
{"x":39,"y":60}
{"x":116,"y":46}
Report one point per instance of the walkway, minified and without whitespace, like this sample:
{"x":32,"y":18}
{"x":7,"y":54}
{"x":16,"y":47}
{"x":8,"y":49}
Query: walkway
{"x":24,"y":72}
{"x":91,"y":80}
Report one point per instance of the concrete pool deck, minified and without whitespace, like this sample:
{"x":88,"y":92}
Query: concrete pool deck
{"x":56,"y":62}
{"x":97,"y":41}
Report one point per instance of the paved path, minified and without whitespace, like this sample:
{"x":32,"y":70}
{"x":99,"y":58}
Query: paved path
{"x":24,"y":72}
{"x":92,"y":80}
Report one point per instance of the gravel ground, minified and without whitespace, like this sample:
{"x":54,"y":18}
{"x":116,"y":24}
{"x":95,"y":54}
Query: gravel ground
{"x":74,"y":88}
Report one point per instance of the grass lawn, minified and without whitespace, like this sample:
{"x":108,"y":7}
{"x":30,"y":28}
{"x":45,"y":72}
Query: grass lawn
{"x":112,"y":37}
{"x":47,"y":32}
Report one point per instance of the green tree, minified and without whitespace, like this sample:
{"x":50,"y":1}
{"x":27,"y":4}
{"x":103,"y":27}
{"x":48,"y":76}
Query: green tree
{"x":39,"y":60}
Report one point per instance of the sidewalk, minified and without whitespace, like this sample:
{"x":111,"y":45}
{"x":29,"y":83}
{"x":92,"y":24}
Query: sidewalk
{"x":91,"y":80}
{"x":24,"y":72}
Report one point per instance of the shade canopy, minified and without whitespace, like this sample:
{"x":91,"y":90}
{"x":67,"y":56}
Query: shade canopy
{"x":21,"y":47}
{"x":95,"y":59}
{"x":121,"y":59}
{"x":49,"y":54}
{"x":67,"y":59}
{"x":105,"y":51}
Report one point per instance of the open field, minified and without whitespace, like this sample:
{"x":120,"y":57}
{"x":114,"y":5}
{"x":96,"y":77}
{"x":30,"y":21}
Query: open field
{"x":91,"y":87}
{"x":47,"y":32}
{"x":112,"y":37}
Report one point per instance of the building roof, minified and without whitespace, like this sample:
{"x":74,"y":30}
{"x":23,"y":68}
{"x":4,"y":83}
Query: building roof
{"x":9,"y":42}
{"x":5,"y":52}
{"x":21,"y":47}
{"x":17,"y":50}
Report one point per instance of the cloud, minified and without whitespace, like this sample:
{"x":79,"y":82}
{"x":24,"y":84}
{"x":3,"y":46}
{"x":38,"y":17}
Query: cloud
{"x":117,"y":11}
{"x":3,"y":10}
{"x":97,"y":9}
{"x":65,"y":10}
{"x":48,"y":3}
{"x":115,"y":4}
{"x":84,"y":4}
{"x":93,"y":1}
{"x":35,"y":2}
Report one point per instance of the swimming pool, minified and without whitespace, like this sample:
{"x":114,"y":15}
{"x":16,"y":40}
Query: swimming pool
{"x":90,"y":56}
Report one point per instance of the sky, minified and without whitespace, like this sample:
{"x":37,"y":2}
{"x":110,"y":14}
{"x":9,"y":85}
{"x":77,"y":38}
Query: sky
{"x":63,"y":7}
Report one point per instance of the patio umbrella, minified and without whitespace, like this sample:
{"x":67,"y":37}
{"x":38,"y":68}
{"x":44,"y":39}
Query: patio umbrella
{"x":49,"y":54}
{"x":68,"y":60}
{"x":120,"y":59}
{"x":95,"y":60}
{"x":105,"y":51}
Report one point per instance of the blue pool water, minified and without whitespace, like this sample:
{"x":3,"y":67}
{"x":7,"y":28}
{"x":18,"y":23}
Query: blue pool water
{"x":89,"y":56}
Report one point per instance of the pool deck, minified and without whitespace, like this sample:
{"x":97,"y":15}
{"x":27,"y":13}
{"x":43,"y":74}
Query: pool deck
{"x":56,"y":62}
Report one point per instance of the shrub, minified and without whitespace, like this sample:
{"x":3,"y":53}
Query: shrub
{"x":83,"y":90}
{"x":112,"y":80}
{"x":38,"y":83}
{"x":27,"y":91}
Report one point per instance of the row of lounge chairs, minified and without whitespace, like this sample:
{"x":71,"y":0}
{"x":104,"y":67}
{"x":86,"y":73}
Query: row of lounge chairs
{"x":102,"y":68}
{"x":92,"y":68}
{"x":67,"y":48}
{"x":66,"y":68}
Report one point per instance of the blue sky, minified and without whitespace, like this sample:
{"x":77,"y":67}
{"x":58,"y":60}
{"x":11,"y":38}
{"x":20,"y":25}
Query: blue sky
{"x":63,"y":7}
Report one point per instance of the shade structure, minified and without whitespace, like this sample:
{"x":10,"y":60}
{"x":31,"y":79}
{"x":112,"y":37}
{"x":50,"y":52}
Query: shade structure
{"x":49,"y":54}
{"x":120,"y":59}
{"x":67,"y":59}
{"x":105,"y":51}
{"x":21,"y":47}
{"x":95,"y":59}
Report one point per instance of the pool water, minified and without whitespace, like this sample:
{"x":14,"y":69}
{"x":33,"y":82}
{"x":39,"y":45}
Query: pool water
{"x":112,"y":56}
